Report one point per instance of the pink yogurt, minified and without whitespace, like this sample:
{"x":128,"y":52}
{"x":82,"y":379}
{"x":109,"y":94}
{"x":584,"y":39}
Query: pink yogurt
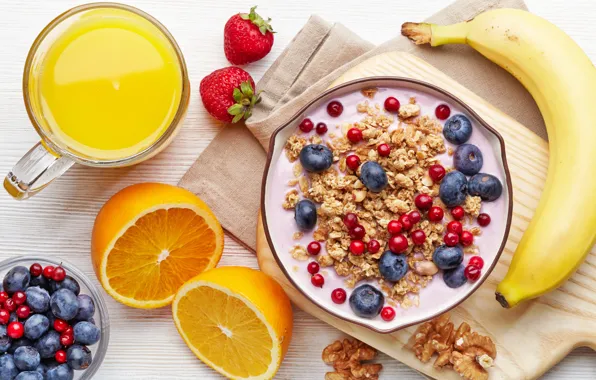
{"x":436,"y":296}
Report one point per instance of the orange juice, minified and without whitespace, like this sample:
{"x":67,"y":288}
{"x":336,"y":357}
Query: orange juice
{"x":110,"y":85}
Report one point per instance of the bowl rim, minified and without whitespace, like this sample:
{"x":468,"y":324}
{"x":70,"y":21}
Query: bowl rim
{"x":100,"y":303}
{"x":396,"y":80}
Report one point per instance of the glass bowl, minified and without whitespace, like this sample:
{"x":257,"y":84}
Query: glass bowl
{"x":101,"y":317}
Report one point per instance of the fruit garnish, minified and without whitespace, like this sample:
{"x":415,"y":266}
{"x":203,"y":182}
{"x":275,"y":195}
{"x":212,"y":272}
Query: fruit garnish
{"x":414,"y":216}
{"x":442,"y":111}
{"x":384,"y":150}
{"x":472,"y":272}
{"x":394,"y":227}
{"x":350,"y":220}
{"x":237,"y":320}
{"x":398,"y":244}
{"x":476,"y":261}
{"x":317,"y":280}
{"x":455,"y":227}
{"x":435,"y":214}
{"x":338,"y":296}
{"x":418,"y":237}
{"x":357,"y":247}
{"x":388,"y":313}
{"x":373,"y":246}
{"x":313,"y":267}
{"x":354,"y":135}
{"x":451,"y":239}
{"x":321,"y":128}
{"x":458,"y":213}
{"x":391,"y":104}
{"x":306,"y":125}
{"x":466,"y":238}
{"x":314,"y":247}
{"x":335,"y":108}
{"x":406,"y":222}
{"x":423,"y":201}
{"x":483,"y":219}
{"x":357,"y":232}
{"x":353,"y":162}
{"x":148,"y":239}
{"x":228,"y":94}
{"x":436,"y":172}
{"x":247,"y":37}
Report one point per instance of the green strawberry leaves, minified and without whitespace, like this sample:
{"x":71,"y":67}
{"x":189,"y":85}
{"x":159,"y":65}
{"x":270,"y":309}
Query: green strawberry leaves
{"x":245,"y":99}
{"x":264,"y":25}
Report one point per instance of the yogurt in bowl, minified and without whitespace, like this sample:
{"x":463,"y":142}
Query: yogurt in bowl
{"x":377,"y":253}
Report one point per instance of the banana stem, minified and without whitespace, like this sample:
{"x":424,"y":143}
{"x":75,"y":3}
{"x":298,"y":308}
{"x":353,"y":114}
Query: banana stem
{"x":435,"y":35}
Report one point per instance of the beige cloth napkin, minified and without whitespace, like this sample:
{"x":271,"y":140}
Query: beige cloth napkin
{"x":228,"y":174}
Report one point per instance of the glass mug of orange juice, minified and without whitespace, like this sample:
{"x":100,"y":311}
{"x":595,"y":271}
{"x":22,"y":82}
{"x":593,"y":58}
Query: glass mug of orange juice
{"x":104,"y":85}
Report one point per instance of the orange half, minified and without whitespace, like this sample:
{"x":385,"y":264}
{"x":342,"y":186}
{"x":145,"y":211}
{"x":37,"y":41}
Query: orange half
{"x":149,"y":239}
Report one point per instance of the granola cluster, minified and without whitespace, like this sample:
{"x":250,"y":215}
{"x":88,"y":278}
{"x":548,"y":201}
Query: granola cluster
{"x":468,"y":353}
{"x":415,"y":145}
{"x":347,"y":358}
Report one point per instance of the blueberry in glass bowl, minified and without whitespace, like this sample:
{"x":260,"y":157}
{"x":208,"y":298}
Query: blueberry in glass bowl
{"x":36,"y":331}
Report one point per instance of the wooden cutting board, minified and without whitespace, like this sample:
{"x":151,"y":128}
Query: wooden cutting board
{"x":530,"y":338}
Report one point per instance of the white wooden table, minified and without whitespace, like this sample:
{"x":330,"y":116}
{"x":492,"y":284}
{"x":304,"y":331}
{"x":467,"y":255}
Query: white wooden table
{"x":144,"y":344}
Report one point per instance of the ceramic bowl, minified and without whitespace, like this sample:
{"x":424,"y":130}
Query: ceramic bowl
{"x":436,"y":298}
{"x":101,"y":316}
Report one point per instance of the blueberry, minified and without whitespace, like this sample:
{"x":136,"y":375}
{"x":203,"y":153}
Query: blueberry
{"x":38,"y":299}
{"x":48,"y":344}
{"x":68,"y":283}
{"x":366,"y":301}
{"x":5,"y":340}
{"x":29,"y":375}
{"x":454,"y":278}
{"x":50,"y":317}
{"x":42,"y":368}
{"x":86,"y":333}
{"x":453,"y":189}
{"x":457,"y":129}
{"x":305,"y":214}
{"x":393,"y":267}
{"x":64,"y":304}
{"x":17,"y":279}
{"x":40,"y":281}
{"x":8,"y":370}
{"x":26,"y":358}
{"x":36,"y":326}
{"x":61,"y":372}
{"x":373,"y":176}
{"x":486,"y":186}
{"x":13,"y":317}
{"x":19,"y":343}
{"x":78,"y":357}
{"x":468,"y":159}
{"x":448,"y":257}
{"x":86,"y":307}
{"x":316,"y":158}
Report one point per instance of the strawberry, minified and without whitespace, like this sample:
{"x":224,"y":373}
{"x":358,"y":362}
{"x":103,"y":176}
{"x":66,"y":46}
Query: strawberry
{"x":228,"y":94}
{"x":247,"y":38}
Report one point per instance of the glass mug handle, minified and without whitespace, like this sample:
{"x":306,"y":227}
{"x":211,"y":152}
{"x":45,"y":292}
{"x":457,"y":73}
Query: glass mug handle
{"x":34,"y":171}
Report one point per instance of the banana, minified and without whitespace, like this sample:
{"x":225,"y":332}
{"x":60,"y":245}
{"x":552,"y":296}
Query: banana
{"x":562,"y":80}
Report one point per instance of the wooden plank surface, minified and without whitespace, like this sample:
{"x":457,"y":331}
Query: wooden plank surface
{"x":552,"y":325}
{"x":144,"y":345}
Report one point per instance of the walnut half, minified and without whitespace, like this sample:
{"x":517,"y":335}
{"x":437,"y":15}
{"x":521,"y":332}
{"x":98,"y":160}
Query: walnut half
{"x":347,"y":358}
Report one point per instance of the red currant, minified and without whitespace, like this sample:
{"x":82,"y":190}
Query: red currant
{"x":351,"y":220}
{"x":436,"y":172}
{"x":476,"y":261}
{"x":335,"y":108}
{"x":466,"y":238}
{"x":338,"y":296}
{"x":19,"y":298}
{"x":353,"y":162}
{"x":357,"y":247}
{"x":60,"y":356}
{"x":66,"y":339}
{"x":483,"y":219}
{"x":394,"y":227}
{"x":314,"y":247}
{"x":3,"y":297}
{"x":60,"y":325}
{"x":458,"y":213}
{"x":442,"y":111}
{"x":4,"y":317}
{"x":406,"y":222}
{"x":392,"y":104}
{"x":398,"y":244}
{"x":306,"y":125}
{"x":10,"y":305}
{"x":415,"y":216}
{"x":388,"y":313}
{"x":69,"y":330}
{"x":59,"y":274}
{"x":321,"y":128}
{"x":435,"y":214}
{"x":354,"y":135}
{"x":373,"y":246}
{"x":357,"y":232}
{"x":472,"y":272}
{"x":455,"y":227}
{"x":451,"y":239}
{"x":384,"y":150}
{"x":423,"y":201}
{"x":23,"y":312}
{"x":317,"y":280}
{"x":418,"y":237}
{"x":313,"y":267}
{"x":35,"y":269}
{"x":15,"y":330}
{"x":48,"y":272}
